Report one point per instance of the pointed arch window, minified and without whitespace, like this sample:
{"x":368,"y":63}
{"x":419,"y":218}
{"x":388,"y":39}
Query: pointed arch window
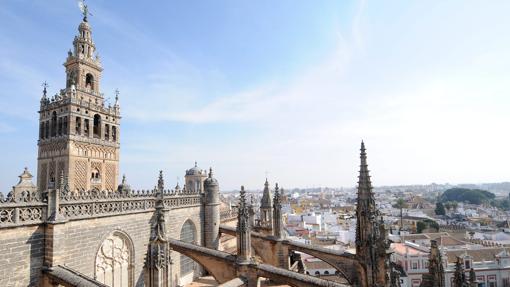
{"x":97,"y":126}
{"x":114,"y":261}
{"x":188,"y":234}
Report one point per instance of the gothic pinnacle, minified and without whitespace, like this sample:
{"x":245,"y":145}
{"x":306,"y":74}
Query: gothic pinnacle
{"x":161,"y":182}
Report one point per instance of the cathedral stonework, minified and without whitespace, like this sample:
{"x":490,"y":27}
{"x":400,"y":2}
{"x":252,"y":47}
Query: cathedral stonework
{"x":79,"y":227}
{"x":78,"y":130}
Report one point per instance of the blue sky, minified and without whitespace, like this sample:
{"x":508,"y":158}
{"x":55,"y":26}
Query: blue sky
{"x":287,"y":87}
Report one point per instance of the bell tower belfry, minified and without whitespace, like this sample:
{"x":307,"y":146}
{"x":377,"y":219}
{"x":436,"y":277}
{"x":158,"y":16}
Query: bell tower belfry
{"x":78,"y":131}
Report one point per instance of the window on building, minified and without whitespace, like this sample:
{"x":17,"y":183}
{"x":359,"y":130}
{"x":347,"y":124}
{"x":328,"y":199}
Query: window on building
{"x":89,"y":81}
{"x":59,"y":124}
{"x":47,"y":130}
{"x":326,"y":272}
{"x":415,"y":265}
{"x":317,"y":273}
{"x":97,"y":126}
{"x":114,"y":133}
{"x":188,"y":234}
{"x":114,"y":261}
{"x":95,"y":176}
{"x":41,"y":131}
{"x":86,"y":127}
{"x":64,"y":125}
{"x":54,"y":124}
{"x":107,"y":132}
{"x":78,"y":126}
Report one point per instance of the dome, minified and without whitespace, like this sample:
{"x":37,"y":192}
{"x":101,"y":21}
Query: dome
{"x":210,"y":180}
{"x":194,"y":170}
{"x":84,"y":26}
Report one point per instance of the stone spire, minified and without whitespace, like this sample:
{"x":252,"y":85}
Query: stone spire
{"x":161,"y":182}
{"x":243,"y":230}
{"x":472,"y":278}
{"x":370,"y":238}
{"x":435,"y":276}
{"x":251,"y":212}
{"x":266,"y":207}
{"x":277,"y":214}
{"x":459,"y":277}
{"x":158,"y":262}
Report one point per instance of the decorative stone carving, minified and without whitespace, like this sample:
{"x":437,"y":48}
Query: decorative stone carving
{"x":113,"y":261}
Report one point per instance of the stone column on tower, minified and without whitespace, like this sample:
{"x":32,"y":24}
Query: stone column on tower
{"x":211,"y":211}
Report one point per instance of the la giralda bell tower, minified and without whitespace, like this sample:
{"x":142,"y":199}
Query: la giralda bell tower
{"x":78,"y":131}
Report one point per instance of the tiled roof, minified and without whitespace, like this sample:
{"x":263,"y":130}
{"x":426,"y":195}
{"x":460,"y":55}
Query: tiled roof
{"x":478,"y":255}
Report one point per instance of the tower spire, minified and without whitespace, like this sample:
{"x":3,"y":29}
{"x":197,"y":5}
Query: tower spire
{"x":370,"y":237}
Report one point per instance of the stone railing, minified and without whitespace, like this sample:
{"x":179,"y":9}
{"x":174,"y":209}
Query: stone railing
{"x":228,"y":214}
{"x":32,"y":208}
{"x":22,"y":208}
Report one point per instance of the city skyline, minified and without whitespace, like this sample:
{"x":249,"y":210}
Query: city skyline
{"x":288,"y":91}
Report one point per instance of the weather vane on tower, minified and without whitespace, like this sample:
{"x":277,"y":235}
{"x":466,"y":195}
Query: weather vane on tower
{"x":84,"y":9}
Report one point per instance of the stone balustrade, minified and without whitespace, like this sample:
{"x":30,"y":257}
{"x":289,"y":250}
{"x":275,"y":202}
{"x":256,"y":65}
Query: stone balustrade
{"x":31,"y":207}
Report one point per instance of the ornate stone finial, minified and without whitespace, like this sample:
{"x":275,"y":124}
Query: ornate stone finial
{"x":44,"y":85}
{"x":210,"y":172}
{"x":117,"y":97}
{"x":123,"y":179}
{"x":276,"y":194}
{"x":196,"y":164}
{"x":161,"y":182}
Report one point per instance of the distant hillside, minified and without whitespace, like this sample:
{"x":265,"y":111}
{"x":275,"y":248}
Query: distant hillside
{"x":474,"y":196}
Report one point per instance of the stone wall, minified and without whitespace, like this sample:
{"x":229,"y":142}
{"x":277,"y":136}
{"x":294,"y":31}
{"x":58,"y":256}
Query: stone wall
{"x":21,"y":255}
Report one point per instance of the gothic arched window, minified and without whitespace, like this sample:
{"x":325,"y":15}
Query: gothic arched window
{"x":188,"y":234}
{"x":114,"y":261}
{"x":97,"y":126}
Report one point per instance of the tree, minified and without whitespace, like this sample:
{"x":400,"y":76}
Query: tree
{"x":473,"y":196}
{"x":454,"y":206}
{"x":420,"y":226}
{"x":400,"y":204}
{"x":440,"y":209}
{"x":448,"y":206}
